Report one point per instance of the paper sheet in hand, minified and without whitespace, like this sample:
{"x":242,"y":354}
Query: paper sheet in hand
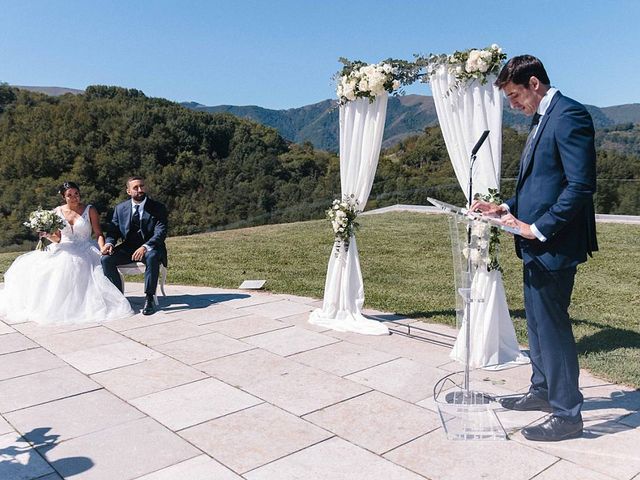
{"x":447,"y":207}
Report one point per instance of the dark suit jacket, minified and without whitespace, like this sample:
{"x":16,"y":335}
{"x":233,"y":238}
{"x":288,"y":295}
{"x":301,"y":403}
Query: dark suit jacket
{"x":555,"y":188}
{"x":153,"y":225}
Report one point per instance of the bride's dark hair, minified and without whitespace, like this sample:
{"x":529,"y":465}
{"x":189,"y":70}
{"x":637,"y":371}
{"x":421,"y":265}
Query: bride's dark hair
{"x":66,"y":186}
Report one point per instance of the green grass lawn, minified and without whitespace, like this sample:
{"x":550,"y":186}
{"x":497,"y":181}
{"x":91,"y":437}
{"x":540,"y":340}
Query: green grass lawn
{"x":407,"y":269}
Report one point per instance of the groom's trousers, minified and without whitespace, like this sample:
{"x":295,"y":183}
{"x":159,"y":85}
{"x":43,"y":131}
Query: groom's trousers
{"x":122,"y":256}
{"x":554,"y":358}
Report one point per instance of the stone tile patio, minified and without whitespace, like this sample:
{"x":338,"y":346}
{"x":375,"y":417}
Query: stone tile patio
{"x":227,"y":385}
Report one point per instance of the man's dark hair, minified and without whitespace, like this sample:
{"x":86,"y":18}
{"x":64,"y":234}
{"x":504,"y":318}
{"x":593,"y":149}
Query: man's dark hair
{"x":520,"y":69}
{"x":133,"y":178}
{"x":66,"y":186}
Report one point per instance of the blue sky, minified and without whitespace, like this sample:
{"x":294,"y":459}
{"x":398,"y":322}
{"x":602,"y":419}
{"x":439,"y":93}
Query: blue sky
{"x":282,"y":53}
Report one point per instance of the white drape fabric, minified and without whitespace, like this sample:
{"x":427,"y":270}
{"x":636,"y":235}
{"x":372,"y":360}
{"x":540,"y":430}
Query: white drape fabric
{"x":464,"y":112}
{"x":361,"y":129}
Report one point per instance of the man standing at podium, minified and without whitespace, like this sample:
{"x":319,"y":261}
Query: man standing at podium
{"x":553,"y":209}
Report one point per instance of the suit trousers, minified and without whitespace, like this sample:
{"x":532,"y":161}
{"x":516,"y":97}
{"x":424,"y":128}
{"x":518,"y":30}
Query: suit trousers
{"x":554,"y":358}
{"x":122,"y":256}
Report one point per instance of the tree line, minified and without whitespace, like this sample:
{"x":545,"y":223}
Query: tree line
{"x":213,"y":171}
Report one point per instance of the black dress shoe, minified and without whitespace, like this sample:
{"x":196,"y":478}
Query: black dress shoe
{"x":553,"y":429}
{"x":526,"y":403}
{"x":149,"y":306}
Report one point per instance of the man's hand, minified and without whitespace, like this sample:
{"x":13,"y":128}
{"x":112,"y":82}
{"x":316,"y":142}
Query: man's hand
{"x":107,"y":249}
{"x":487,"y":208}
{"x":138,"y":254}
{"x":525,"y":229}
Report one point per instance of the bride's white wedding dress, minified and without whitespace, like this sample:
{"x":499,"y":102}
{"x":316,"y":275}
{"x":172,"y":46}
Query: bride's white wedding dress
{"x":64,"y":284}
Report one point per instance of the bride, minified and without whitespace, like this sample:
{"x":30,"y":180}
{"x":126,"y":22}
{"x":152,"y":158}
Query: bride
{"x":64,"y":284}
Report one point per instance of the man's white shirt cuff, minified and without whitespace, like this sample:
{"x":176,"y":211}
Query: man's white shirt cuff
{"x":537,"y":233}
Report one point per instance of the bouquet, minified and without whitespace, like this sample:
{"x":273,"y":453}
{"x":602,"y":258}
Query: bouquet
{"x":46,"y":221}
{"x":342,"y":216}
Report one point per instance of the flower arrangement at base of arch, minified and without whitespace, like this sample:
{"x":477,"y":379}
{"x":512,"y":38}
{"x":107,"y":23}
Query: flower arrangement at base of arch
{"x":493,"y":247}
{"x":342,"y":216}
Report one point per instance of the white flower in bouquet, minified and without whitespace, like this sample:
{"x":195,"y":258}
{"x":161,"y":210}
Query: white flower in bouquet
{"x":45,"y":221}
{"x":475,"y":256}
{"x":479,"y":229}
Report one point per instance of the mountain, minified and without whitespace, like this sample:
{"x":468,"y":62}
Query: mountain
{"x":406,"y":115}
{"x":318,"y":123}
{"x":629,"y":113}
{"x":51,"y":91}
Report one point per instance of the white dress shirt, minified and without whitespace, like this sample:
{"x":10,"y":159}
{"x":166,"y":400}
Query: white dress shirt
{"x":140,"y":211}
{"x":542,"y":109}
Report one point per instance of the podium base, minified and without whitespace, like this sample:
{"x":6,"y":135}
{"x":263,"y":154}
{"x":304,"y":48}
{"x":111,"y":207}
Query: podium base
{"x":464,"y":397}
{"x":467,"y":414}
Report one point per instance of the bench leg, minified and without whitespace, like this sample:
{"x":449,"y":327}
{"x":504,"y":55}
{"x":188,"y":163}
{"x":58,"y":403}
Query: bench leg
{"x":163,"y":279}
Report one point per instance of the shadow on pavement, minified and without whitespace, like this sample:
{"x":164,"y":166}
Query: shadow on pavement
{"x":23,"y":461}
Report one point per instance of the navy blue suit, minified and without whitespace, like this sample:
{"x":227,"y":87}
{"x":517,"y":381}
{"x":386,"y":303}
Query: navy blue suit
{"x":152,"y":232}
{"x":555,"y":190}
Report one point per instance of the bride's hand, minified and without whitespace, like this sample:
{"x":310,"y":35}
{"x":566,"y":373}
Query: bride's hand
{"x":52,"y":237}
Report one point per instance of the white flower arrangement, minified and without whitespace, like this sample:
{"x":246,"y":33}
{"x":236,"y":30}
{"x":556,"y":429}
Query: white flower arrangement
{"x":44,"y":221}
{"x":342,"y":216}
{"x":468,"y":65}
{"x":361,"y":80}
{"x":478,"y":249}
{"x":490,"y":243}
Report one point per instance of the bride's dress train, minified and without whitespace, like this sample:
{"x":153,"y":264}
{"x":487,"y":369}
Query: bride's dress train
{"x":63,"y":285}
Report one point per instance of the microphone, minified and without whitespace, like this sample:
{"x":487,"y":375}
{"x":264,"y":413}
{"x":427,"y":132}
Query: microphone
{"x":479,"y":143}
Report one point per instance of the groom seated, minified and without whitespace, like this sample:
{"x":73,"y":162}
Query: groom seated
{"x":141,"y":224}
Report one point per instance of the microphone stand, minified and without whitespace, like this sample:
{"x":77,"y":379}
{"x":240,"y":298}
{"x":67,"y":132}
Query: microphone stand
{"x":467,"y":327}
{"x":467,"y":349}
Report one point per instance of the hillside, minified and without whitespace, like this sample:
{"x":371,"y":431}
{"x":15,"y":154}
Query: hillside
{"x":212,"y":171}
{"x":217,"y":171}
{"x":629,"y":113}
{"x":406,"y":115}
{"x":317,"y":123}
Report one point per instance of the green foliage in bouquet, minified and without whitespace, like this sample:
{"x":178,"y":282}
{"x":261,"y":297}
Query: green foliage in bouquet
{"x":494,"y":236}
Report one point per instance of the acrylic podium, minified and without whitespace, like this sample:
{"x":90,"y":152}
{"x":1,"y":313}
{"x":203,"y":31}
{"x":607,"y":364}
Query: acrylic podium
{"x":467,"y":414}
